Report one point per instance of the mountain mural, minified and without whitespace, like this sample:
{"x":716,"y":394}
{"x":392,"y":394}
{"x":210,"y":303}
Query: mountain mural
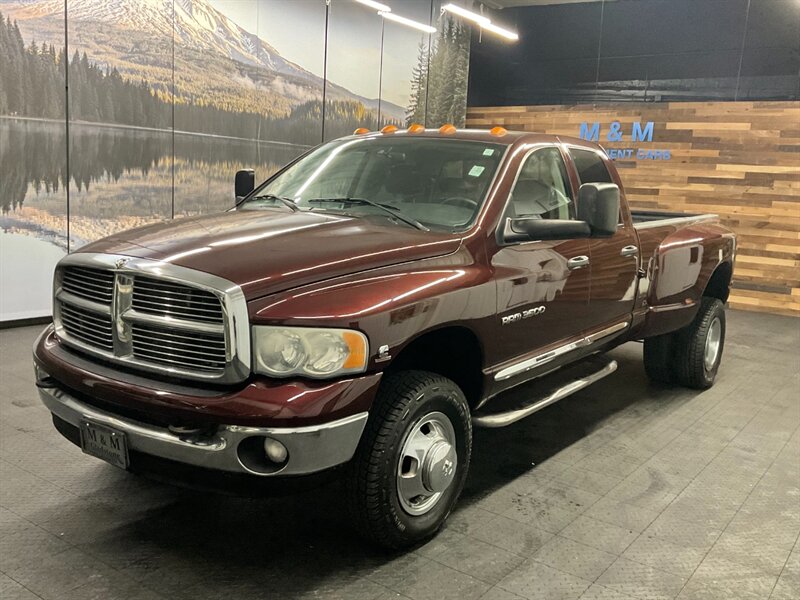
{"x":217,"y":62}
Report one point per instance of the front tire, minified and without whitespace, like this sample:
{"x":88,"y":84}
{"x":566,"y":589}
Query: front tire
{"x":412,"y":460}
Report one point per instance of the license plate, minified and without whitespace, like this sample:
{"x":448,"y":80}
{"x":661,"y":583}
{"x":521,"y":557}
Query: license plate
{"x":104,"y":442}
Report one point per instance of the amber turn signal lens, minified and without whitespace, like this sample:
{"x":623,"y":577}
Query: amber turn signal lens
{"x":498,"y":131}
{"x":416,"y":128}
{"x":361,"y":131}
{"x":447,"y":129}
{"x":389,"y":129}
{"x":358,"y":350}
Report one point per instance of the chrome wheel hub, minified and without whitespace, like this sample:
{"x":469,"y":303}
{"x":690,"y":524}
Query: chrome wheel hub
{"x":713,"y":344}
{"x":427,"y":465}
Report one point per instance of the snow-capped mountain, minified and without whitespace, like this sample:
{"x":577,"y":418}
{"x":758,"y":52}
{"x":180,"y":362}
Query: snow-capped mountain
{"x":115,"y":31}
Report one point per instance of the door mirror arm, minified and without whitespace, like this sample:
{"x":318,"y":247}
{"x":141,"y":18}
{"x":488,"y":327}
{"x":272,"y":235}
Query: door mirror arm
{"x":526,"y":229}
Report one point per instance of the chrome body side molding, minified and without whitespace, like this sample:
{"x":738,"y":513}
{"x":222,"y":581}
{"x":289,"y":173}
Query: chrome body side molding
{"x":541,"y":359}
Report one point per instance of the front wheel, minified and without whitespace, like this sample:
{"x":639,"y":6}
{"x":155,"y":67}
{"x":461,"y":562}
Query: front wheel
{"x":412,"y":461}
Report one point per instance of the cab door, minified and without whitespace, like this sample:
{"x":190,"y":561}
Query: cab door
{"x":542,"y":286}
{"x":615,"y":260}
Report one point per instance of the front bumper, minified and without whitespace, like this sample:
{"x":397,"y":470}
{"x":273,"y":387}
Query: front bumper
{"x":310,"y":449}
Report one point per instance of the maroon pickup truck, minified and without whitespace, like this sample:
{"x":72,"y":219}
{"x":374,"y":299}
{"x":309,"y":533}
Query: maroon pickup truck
{"x":361,"y":310}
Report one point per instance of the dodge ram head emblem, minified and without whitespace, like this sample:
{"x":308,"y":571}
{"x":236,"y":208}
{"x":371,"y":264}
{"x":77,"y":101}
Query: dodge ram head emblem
{"x":525,"y":314}
{"x":121,"y":262}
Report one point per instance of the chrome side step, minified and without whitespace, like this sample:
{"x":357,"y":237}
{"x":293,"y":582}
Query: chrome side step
{"x":578,"y":377}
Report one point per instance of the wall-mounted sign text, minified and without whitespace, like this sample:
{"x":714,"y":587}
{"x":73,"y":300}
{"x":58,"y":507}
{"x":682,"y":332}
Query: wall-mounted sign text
{"x":639,"y":133}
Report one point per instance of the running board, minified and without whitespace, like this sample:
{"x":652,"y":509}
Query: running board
{"x":552,"y":388}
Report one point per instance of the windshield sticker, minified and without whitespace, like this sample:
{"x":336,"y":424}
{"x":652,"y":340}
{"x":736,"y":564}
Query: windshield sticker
{"x":476,"y":171}
{"x":488,"y":152}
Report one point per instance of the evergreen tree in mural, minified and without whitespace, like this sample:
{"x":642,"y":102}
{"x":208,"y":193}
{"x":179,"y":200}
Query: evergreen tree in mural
{"x":439,"y":80}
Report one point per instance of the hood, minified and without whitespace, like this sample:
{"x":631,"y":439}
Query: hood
{"x":268,"y":251}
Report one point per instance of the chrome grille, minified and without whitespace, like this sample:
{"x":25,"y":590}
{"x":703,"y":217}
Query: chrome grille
{"x":184,"y":349}
{"x":153,"y":316}
{"x":87,"y":326}
{"x":95,"y":285}
{"x":169,"y":299}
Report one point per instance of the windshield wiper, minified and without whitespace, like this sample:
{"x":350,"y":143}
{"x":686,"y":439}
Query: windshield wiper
{"x":392,"y":211}
{"x":286,"y":201}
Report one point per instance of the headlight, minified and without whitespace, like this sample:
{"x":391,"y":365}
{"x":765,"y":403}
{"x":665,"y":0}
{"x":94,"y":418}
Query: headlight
{"x":307,"y":351}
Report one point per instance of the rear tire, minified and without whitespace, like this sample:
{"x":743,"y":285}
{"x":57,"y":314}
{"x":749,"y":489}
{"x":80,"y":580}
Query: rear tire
{"x":698,"y":347}
{"x":420,"y":414}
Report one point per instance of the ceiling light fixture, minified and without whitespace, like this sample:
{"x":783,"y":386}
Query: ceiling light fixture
{"x":376,"y":5}
{"x":466,"y":14}
{"x":480,"y":20}
{"x":509,"y":35}
{"x":407,"y":22}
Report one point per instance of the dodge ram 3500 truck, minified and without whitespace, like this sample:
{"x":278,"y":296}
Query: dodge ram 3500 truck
{"x":360,"y":311}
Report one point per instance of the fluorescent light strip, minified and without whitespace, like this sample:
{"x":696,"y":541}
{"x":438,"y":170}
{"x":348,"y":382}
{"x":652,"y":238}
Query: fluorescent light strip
{"x":376,"y":5}
{"x":509,"y":35}
{"x":466,"y":14}
{"x":407,"y":22}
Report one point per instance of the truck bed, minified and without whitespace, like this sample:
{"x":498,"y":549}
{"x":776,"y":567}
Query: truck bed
{"x":644,"y":219}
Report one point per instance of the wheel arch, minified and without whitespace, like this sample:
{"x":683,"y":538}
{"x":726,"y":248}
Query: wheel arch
{"x":454,"y":351}
{"x":719,"y":284}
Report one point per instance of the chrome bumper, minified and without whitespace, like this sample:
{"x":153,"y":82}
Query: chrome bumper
{"x":311,"y":449}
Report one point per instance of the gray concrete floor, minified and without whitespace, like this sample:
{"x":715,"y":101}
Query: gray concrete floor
{"x":626,"y":490}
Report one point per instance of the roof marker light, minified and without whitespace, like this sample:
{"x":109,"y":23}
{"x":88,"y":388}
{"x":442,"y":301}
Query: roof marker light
{"x":361,"y":131}
{"x":389,"y":129}
{"x":498,"y":131}
{"x":447,"y":129}
{"x":416,"y":128}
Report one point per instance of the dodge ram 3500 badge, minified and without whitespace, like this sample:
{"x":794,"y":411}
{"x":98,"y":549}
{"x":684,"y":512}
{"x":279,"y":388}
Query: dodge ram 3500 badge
{"x":359,"y":312}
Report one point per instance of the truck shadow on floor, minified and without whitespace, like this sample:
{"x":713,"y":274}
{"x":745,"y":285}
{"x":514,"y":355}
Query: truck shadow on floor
{"x":204,"y":544}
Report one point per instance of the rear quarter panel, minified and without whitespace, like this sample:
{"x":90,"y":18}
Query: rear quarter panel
{"x":678,"y":260}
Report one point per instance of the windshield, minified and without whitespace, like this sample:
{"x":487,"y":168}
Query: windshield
{"x":424,"y":182}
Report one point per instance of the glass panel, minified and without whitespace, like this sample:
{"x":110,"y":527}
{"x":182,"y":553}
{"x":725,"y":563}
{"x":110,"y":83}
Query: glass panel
{"x":354,"y":62}
{"x":404,"y":62}
{"x":33,"y":200}
{"x":440,"y":182}
{"x":120,"y":77}
{"x":542,"y":188}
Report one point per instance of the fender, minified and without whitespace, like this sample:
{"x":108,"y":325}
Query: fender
{"x":393,"y":305}
{"x":679,"y":273}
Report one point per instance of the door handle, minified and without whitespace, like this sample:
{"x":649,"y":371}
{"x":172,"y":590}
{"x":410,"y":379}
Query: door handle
{"x":629,"y":251}
{"x":577,"y":262}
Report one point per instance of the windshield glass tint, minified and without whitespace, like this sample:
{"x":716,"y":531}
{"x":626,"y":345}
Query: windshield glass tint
{"x":440,"y":183}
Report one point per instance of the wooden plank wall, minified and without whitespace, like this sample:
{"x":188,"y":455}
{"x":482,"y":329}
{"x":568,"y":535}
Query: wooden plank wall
{"x":740,"y":160}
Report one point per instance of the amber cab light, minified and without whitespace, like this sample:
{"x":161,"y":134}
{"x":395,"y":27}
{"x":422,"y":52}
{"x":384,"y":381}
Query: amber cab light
{"x":416,"y":128}
{"x":361,"y":131}
{"x":498,"y":131}
{"x":389,"y":129}
{"x":447,"y":129}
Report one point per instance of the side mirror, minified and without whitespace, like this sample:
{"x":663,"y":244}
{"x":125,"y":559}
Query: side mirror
{"x":598,"y":205}
{"x":527,"y":229}
{"x":244,"y":183}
